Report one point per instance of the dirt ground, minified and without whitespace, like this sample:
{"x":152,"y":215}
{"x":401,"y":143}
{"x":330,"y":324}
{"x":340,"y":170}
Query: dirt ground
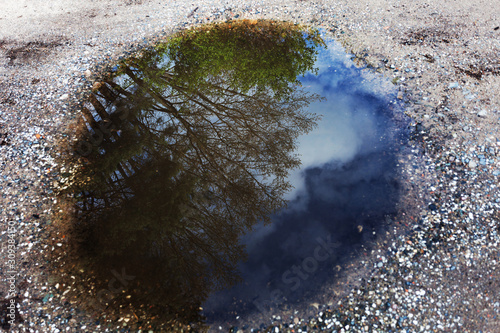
{"x":443,"y":55}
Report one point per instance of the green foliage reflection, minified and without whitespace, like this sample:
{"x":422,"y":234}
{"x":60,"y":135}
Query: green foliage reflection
{"x":250,"y":54}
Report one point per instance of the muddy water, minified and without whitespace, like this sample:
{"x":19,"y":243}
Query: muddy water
{"x":226,"y":173}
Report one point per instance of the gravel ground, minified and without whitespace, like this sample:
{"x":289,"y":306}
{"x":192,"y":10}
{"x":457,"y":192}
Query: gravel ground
{"x":441,"y":276}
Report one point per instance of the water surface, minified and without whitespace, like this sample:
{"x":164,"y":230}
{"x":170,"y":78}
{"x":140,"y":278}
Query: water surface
{"x":188,"y":155}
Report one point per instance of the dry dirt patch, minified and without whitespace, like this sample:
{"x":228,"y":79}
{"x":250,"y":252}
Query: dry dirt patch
{"x":23,"y":53}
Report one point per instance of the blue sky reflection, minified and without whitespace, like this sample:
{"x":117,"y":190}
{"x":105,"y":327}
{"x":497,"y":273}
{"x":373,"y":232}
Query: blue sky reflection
{"x":348,"y":179}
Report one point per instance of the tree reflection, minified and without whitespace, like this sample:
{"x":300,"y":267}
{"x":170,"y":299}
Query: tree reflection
{"x":186,"y":147}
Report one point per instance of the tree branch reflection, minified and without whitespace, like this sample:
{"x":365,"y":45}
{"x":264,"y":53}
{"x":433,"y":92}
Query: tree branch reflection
{"x":185,"y":147}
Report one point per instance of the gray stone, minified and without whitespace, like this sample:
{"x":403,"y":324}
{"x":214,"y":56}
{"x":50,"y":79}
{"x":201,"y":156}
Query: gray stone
{"x":482,"y":113}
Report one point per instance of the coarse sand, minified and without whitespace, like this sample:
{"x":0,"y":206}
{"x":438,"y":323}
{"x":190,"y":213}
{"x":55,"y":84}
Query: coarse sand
{"x":444,"y":57}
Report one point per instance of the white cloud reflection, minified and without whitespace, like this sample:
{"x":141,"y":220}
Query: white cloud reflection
{"x":348,"y":125}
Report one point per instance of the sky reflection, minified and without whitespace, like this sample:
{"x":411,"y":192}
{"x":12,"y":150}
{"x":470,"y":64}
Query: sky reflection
{"x":348,"y":179}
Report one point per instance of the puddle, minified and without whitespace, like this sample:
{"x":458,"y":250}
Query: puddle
{"x":174,"y":203}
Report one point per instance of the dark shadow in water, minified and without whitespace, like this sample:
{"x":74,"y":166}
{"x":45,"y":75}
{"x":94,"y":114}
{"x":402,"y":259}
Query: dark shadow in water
{"x":177,"y":159}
